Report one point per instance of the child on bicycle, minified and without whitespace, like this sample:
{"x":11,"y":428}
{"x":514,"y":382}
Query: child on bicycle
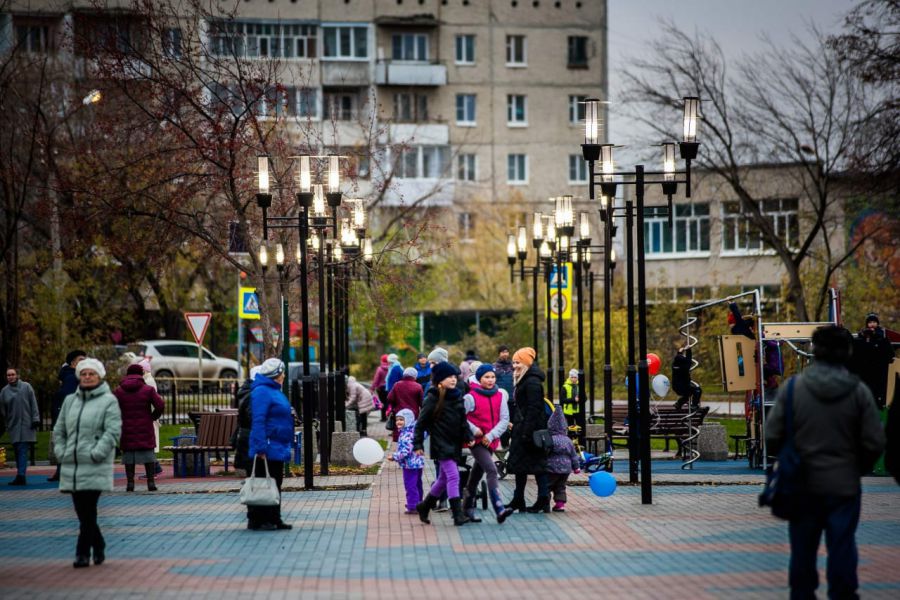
{"x":411,"y":463}
{"x":563,"y":459}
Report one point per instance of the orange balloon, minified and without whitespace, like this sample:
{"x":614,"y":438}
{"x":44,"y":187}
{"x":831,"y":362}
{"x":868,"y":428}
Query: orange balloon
{"x":653,"y":364}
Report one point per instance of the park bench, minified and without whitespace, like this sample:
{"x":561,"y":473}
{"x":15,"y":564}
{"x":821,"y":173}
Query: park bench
{"x":666,"y":422}
{"x":213,"y":435}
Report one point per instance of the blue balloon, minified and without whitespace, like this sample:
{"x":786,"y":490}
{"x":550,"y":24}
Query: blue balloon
{"x":602,"y":484}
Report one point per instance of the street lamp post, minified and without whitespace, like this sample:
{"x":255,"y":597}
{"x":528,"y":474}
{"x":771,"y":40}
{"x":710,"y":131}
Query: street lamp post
{"x":638,"y":375}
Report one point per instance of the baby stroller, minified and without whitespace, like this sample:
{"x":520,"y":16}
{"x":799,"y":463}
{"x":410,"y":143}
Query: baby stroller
{"x":465,"y":471}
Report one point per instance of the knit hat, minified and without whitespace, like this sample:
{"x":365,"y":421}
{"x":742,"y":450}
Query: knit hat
{"x":573,"y":373}
{"x":525,"y":356}
{"x":253,"y":372}
{"x":438,"y":355}
{"x":392,"y":358}
{"x":410,"y":372}
{"x":471,"y":355}
{"x":135,"y":369}
{"x":485,"y":368}
{"x":271,"y":368}
{"x":384,"y":359}
{"x":421,"y":355}
{"x":92,"y":364}
{"x":73,"y":355}
{"x":872,"y":317}
{"x":442,"y":371}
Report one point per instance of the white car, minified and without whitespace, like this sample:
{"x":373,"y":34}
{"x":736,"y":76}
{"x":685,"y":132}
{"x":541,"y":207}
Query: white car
{"x":174,"y":358}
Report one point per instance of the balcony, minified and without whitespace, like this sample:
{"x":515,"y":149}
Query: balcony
{"x":340,"y":73}
{"x":431,"y":133}
{"x":423,"y":193}
{"x":388,"y":72}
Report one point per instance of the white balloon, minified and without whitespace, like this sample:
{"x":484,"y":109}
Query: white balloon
{"x":367,"y":451}
{"x":660,"y":385}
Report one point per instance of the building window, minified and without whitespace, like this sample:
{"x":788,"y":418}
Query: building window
{"x":343,"y":42}
{"x":114,"y":34}
{"x":465,"y":49}
{"x":516,"y":219}
{"x":302,"y":102}
{"x":245,"y":39}
{"x":340,"y":106}
{"x":465,"y":109}
{"x":409,"y":46}
{"x":172,"y":42}
{"x":516,"y":54}
{"x":691,"y":230}
{"x":576,"y":109}
{"x":410,"y":108}
{"x":466,"y":225}
{"x":578,"y":52}
{"x":739,"y":235}
{"x":517,"y":169}
{"x":516,"y":110}
{"x":578,"y":174}
{"x":423,"y":162}
{"x":34,"y":35}
{"x":467,"y":167}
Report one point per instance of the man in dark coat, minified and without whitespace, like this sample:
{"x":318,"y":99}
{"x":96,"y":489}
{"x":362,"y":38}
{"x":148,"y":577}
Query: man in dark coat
{"x":504,"y":370}
{"x":68,"y":383}
{"x":524,"y":457}
{"x":838,"y":437}
{"x":872,"y":354}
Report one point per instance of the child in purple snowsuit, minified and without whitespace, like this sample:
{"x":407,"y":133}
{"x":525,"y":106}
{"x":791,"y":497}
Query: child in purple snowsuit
{"x":406,"y":457}
{"x":563,"y":459}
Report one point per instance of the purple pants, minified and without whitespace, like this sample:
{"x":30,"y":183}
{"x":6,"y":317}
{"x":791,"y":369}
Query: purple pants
{"x":448,"y":479}
{"x":412,"y":481}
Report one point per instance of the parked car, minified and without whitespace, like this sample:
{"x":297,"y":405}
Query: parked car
{"x":295,"y":370}
{"x":174,"y":358}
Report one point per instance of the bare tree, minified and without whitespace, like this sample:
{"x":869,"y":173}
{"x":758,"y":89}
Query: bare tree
{"x":799,"y":105}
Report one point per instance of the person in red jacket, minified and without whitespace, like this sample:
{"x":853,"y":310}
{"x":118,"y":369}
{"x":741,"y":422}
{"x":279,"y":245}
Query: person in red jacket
{"x":406,"y":393}
{"x":140,"y":405}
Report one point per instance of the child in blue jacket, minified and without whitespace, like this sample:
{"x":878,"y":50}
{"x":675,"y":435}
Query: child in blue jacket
{"x":406,"y":457}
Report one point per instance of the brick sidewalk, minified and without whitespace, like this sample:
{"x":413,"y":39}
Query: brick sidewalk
{"x":709,"y":541}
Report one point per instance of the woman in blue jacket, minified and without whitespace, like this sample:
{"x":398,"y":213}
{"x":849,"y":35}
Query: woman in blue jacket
{"x":271,"y":434}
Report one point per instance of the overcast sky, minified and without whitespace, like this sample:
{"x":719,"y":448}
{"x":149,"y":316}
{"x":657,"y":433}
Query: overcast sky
{"x":736,"y":24}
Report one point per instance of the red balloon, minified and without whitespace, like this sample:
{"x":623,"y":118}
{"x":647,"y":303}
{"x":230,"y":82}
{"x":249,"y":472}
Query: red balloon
{"x":653,"y":364}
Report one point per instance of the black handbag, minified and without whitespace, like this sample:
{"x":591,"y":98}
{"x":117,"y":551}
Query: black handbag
{"x":543,"y":440}
{"x":780,"y":491}
{"x":391,"y":423}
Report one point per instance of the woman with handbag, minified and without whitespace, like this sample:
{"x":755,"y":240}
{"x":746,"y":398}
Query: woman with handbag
{"x":271,"y":434}
{"x":525,"y":457}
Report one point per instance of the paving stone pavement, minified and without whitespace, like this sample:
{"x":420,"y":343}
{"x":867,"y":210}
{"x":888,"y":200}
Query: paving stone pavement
{"x":189,"y":541}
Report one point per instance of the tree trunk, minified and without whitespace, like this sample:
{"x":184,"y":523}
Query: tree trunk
{"x":795,"y":294}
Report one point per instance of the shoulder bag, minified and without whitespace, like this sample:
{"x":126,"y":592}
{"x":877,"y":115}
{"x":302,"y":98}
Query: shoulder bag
{"x":780,"y":491}
{"x":258,"y":491}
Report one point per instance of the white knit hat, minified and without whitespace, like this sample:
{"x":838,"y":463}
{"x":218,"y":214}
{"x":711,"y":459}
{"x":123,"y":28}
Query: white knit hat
{"x":92,"y":364}
{"x":410,"y":372}
{"x":573,"y":373}
{"x":271,"y":368}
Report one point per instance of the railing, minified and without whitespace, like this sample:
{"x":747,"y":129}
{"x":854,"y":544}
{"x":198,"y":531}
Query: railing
{"x":183,"y":396}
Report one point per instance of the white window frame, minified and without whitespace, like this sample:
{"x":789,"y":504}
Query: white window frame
{"x":249,"y":34}
{"x":657,"y":226}
{"x":781,"y":220}
{"x":415,"y":38}
{"x":576,"y":109}
{"x":580,"y":166}
{"x":352,"y":55}
{"x":511,"y":51}
{"x":467,"y":167}
{"x":466,"y":122}
{"x":465,"y":226}
{"x":524,"y":165}
{"x":512,"y":102}
{"x":173,"y":42}
{"x":418,"y":107}
{"x":420,"y":158}
{"x":462,"y":50}
{"x":354,"y":106}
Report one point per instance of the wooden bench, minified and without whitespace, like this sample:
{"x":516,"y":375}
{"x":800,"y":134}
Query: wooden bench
{"x":666,"y":422}
{"x":213,"y":435}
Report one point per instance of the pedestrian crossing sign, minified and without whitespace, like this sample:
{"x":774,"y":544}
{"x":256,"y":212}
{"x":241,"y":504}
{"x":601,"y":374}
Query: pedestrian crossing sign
{"x":249,"y":304}
{"x":561,"y":297}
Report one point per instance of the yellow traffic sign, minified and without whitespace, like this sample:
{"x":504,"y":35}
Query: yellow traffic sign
{"x":249,"y":306}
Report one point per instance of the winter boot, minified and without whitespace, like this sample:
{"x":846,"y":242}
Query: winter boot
{"x":516,"y":504}
{"x":542,"y":505}
{"x":149,"y":469}
{"x":19,"y":480}
{"x":459,"y":517}
{"x":559,"y":506}
{"x":129,"y":478}
{"x":497,"y":503}
{"x":424,"y":507}
{"x":469,"y":502}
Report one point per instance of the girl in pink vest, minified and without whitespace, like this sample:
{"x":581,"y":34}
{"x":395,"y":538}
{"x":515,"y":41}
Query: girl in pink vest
{"x":487,"y":410}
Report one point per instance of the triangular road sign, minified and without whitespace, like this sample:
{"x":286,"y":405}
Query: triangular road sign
{"x":198,"y":323}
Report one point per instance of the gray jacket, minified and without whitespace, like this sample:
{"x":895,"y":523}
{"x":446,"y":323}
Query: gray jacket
{"x":837,"y":431}
{"x":85,"y":438}
{"x":19,"y":409}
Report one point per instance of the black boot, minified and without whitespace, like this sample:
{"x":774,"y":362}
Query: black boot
{"x":81,"y":561}
{"x":459,"y":517}
{"x":150,"y":470}
{"x":424,"y":507}
{"x":129,"y":478}
{"x":501,"y":511}
{"x":99,"y":554}
{"x":542,"y":505}
{"x":469,"y":502}
{"x":19,"y":480}
{"x":516,"y":504}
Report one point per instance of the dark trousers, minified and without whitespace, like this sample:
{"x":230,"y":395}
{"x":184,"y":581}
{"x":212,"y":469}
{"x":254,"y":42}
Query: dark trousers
{"x":21,"y":449}
{"x":838,"y":518}
{"x":258,"y":515}
{"x":362,"y":424}
{"x":89,"y":535}
{"x":539,"y":478}
{"x":556,"y":482}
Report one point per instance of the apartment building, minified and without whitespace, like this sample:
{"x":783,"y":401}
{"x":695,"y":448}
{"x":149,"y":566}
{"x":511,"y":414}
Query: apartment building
{"x":439,"y":103}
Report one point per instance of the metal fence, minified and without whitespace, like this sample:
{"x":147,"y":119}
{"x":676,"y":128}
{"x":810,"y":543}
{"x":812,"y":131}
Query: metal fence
{"x":184,"y":396}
